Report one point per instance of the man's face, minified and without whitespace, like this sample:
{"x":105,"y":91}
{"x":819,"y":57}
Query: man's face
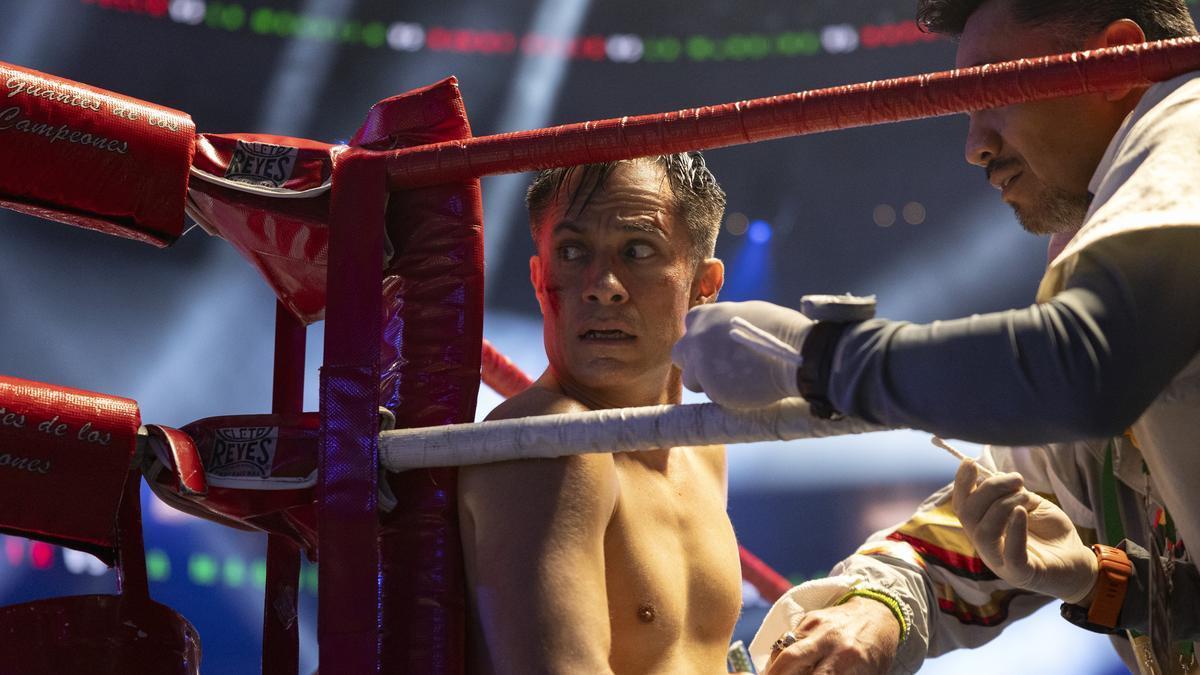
{"x":614,"y":283}
{"x":1041,"y":155}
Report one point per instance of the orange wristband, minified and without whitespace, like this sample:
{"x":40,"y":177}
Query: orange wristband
{"x":1111,"y":582}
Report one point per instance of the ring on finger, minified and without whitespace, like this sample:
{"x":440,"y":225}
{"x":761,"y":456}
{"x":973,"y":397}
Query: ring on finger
{"x":786,"y":640}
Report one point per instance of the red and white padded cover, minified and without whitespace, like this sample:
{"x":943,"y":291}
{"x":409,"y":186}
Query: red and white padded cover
{"x":268,"y":196}
{"x":91,"y":158}
{"x":64,"y":460}
{"x":245,"y":471}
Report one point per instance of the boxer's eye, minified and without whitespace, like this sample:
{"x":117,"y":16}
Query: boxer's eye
{"x":639,"y":251}
{"x":569,"y":252}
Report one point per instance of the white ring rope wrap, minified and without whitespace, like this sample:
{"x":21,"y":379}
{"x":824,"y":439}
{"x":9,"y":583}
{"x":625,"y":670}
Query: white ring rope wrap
{"x":605,"y":431}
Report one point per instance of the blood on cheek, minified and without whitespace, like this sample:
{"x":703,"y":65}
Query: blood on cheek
{"x":552,"y":295}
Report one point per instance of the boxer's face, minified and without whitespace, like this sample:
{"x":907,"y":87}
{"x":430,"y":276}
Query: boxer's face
{"x":614,"y":283}
{"x":1041,"y":155}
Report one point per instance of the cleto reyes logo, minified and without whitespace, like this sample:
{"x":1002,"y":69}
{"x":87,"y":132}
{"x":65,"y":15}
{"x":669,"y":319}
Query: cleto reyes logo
{"x":262,"y":164}
{"x":247,"y":452}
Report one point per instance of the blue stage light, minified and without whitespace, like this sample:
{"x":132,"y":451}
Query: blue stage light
{"x":759,"y":232}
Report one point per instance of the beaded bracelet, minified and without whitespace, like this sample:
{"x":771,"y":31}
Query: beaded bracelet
{"x":900,"y":610}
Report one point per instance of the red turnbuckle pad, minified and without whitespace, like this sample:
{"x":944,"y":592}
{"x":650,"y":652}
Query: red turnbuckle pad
{"x":268,"y":196}
{"x":91,"y":158}
{"x":246,"y":471}
{"x":64,"y":459}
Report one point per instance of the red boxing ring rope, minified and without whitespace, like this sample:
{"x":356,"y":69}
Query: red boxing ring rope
{"x":807,"y":112}
{"x":501,"y":374}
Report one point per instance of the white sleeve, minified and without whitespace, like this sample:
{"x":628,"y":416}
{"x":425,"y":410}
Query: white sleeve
{"x":927,"y":562}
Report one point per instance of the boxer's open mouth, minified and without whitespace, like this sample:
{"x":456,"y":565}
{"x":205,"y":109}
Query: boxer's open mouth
{"x":611,"y":335}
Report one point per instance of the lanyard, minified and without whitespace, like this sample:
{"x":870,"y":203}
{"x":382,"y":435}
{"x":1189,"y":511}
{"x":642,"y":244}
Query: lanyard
{"x":1114,"y":532}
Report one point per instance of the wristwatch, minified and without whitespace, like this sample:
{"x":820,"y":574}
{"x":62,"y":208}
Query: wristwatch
{"x":1111,"y":581}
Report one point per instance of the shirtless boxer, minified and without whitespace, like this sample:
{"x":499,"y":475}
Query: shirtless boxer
{"x":606,"y":563}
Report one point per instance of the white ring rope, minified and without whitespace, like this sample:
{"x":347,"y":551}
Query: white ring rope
{"x":606,"y":431}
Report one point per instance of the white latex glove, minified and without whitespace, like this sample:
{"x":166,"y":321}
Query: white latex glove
{"x":731,"y":373}
{"x":1026,"y":540}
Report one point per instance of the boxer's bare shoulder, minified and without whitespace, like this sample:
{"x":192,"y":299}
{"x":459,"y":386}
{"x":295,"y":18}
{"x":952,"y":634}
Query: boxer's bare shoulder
{"x":538,"y":399}
{"x":533,"y":543}
{"x":625,"y":561}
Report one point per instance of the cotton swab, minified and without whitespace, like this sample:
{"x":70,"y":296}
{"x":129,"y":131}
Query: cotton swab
{"x":763,"y":342}
{"x":983,"y":470}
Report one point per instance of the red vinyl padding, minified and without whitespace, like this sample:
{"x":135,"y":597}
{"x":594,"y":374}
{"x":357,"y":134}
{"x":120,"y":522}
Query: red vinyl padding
{"x":92,"y":158}
{"x":64,"y":460}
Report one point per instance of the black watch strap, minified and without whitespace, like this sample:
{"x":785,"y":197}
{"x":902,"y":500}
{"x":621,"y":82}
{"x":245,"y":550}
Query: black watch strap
{"x":812,"y":377}
{"x":1079,"y":616}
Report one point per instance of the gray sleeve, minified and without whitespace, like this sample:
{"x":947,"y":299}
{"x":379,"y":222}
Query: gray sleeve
{"x":1086,"y":364}
{"x":1185,"y":588}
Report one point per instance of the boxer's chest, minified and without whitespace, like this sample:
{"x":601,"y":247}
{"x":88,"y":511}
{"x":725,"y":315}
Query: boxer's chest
{"x":674,"y":580}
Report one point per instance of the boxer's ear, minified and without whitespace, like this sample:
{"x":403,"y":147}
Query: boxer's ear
{"x":710,"y":277}
{"x":1115,"y":34}
{"x":535,"y":278}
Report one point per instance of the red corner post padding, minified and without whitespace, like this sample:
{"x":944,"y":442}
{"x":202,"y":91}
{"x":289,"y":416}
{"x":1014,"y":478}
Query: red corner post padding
{"x":91,"y":158}
{"x":430,"y":360}
{"x":270,"y":197}
{"x":64,"y":460}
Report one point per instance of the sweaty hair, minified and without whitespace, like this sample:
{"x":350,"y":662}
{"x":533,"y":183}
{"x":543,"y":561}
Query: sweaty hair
{"x":1074,"y":19}
{"x":695,"y":194}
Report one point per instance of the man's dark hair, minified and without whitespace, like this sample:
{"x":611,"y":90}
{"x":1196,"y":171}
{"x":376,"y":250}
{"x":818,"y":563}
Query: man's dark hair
{"x":697,"y":197}
{"x":1076,"y":19}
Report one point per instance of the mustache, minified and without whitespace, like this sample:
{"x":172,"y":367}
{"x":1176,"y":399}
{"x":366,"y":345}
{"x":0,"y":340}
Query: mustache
{"x":1000,"y":165}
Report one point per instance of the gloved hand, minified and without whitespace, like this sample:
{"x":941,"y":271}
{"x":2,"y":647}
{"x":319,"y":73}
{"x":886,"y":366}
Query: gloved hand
{"x":731,"y":373}
{"x":1026,"y":540}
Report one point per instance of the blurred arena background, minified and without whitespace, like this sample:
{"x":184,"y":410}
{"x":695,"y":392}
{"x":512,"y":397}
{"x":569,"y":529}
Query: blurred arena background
{"x":187,"y":331}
